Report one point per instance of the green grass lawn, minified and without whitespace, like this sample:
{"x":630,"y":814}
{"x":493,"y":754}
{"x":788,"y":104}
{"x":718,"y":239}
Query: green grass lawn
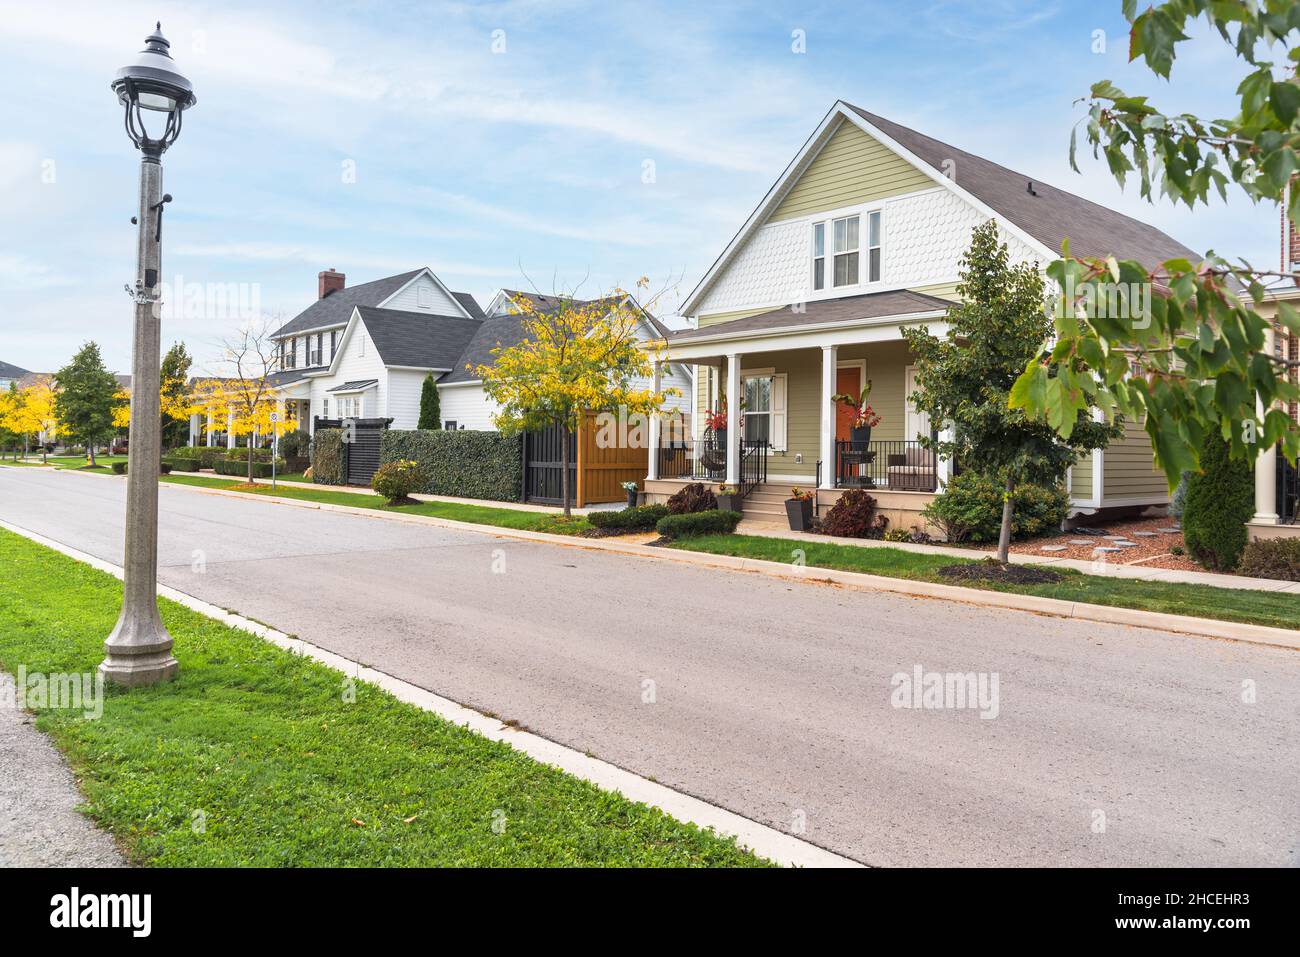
{"x":284,"y":771}
{"x":78,"y":462}
{"x":1204,"y":601}
{"x":455,"y":511}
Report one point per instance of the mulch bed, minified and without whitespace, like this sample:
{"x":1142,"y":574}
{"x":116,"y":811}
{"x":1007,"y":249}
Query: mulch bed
{"x":1151,"y":551}
{"x":993,"y":570}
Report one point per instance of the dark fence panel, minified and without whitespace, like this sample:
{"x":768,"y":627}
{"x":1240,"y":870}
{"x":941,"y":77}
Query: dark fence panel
{"x":542,"y":465}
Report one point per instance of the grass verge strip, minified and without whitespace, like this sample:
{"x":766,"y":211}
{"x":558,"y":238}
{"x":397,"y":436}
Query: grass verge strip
{"x":1273,"y":609}
{"x":256,"y":756}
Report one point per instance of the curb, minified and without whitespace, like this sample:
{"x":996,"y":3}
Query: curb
{"x":1056,"y":607}
{"x":764,"y":841}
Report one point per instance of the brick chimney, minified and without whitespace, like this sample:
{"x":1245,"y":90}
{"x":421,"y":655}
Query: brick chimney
{"x":329,"y":281}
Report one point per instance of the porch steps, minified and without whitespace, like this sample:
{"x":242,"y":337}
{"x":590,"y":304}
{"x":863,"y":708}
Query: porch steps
{"x":766,"y":503}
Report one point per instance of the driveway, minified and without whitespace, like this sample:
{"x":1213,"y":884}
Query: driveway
{"x":776,"y":699}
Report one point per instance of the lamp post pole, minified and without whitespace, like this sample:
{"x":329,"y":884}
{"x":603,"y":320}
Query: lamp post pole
{"x":139,"y":649}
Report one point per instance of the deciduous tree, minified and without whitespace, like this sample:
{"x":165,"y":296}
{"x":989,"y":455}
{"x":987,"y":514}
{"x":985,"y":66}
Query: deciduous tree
{"x":86,"y":397}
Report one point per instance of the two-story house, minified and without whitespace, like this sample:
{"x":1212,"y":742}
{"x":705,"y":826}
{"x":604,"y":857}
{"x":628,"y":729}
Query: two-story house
{"x":860,"y":238}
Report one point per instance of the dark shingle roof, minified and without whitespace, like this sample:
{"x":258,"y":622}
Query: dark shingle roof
{"x":354,"y":386}
{"x":1048,"y":214}
{"x":507,"y":330}
{"x":8,"y":371}
{"x":874,"y":305}
{"x":336,"y":308}
{"x":417,"y":339}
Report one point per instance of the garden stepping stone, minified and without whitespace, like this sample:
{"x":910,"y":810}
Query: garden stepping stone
{"x":1144,"y":534}
{"x":1053,"y":548}
{"x":1107,"y":548}
{"x":1081,"y":541}
{"x":1169,"y":531}
{"x":1117,"y":538}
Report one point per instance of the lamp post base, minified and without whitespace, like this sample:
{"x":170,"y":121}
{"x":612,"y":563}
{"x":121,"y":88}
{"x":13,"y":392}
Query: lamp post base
{"x":139,"y":653}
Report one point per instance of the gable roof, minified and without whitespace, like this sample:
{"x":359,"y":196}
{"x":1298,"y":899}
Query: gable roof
{"x":336,"y":308}
{"x":416,"y":339}
{"x":1048,"y":214}
{"x":1042,"y":220}
{"x":9,"y":371}
{"x":506,"y":329}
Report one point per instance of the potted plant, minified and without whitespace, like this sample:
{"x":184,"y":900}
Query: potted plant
{"x":864,"y":417}
{"x":799,"y":509}
{"x":716,"y":420}
{"x":726,"y":496}
{"x":631,"y":489}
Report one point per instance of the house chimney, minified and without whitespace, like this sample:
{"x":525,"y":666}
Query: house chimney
{"x":329,"y":281}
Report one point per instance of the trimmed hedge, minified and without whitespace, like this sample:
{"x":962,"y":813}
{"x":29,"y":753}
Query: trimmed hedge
{"x":466,"y":464}
{"x":182,"y":463}
{"x":204,"y":453}
{"x":327,"y":457}
{"x":1277,"y":558}
{"x":636,"y":519}
{"x":119,"y":468}
{"x":1220,"y":501}
{"x":713,"y":522}
{"x":240,"y":467}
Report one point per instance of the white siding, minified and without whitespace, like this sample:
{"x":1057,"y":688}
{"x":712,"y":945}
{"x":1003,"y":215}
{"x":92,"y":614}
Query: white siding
{"x":423,"y":295}
{"x":404,"y":387}
{"x":355,"y":363}
{"x":467,"y":406}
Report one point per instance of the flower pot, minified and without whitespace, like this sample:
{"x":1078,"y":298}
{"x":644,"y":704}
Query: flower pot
{"x":631,"y":498}
{"x":799,"y":511}
{"x":727,"y":503}
{"x":861,"y":436}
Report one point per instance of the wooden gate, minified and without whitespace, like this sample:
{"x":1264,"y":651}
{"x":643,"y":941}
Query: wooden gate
{"x":542,"y":466}
{"x":596,"y":472}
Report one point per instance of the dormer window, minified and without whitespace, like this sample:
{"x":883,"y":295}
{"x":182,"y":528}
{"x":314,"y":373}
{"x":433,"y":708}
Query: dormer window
{"x":853,"y":262}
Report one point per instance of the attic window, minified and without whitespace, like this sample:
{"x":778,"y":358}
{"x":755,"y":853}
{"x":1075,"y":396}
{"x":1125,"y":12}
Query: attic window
{"x":846,"y":251}
{"x":424,"y":297}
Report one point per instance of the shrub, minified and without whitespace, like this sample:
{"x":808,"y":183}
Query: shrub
{"x":1178,"y":501}
{"x":463,"y":463}
{"x":1220,"y":500}
{"x":635,"y":519}
{"x":183,"y":463}
{"x":119,"y":468}
{"x":294,"y":444}
{"x":1277,"y":558}
{"x":970,"y":509}
{"x":241,"y":454}
{"x":396,"y":480}
{"x":687,"y":524}
{"x":854,"y":516}
{"x":327,"y":457}
{"x":696,"y":497}
{"x":240,"y":467}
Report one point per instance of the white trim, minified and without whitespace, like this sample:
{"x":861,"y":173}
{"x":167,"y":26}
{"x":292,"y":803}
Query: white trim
{"x":759,"y":307}
{"x":303,"y":332}
{"x":1098,"y":476}
{"x":1134,"y":500}
{"x":807,"y":336}
{"x":459,"y":385}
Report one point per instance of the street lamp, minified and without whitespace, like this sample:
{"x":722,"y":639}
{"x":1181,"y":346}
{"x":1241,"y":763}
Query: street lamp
{"x":139,"y":651}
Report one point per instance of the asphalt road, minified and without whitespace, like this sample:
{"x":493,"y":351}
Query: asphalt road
{"x":773,"y":698}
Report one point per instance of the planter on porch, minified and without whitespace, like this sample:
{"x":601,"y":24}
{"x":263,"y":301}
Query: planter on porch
{"x":728,"y":503}
{"x":800,"y":512}
{"x":861,"y":437}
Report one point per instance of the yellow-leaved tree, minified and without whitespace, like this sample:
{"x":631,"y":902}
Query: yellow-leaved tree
{"x":31,"y":413}
{"x":576,"y":356}
{"x":246,"y":409}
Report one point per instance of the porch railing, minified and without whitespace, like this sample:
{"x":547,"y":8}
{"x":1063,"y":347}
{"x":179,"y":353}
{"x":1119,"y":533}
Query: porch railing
{"x":895,"y":465}
{"x":753,"y":466}
{"x":705,"y":460}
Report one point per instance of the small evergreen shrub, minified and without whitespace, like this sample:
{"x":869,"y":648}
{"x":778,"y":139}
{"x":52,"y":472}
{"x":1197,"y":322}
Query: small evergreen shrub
{"x":636,"y":519}
{"x":854,"y":516}
{"x":695,"y":497}
{"x":688,"y":524}
{"x":396,"y":480}
{"x":970,"y":509}
{"x":1220,"y":500}
{"x":1277,"y":558}
{"x":119,"y":468}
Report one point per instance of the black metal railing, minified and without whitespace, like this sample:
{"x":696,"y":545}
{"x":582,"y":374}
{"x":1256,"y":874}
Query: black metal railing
{"x":753,"y":465}
{"x":1288,"y":491}
{"x":703,"y":460}
{"x":897,"y":465}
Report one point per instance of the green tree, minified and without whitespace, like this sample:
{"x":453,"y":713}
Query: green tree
{"x":86,"y":397}
{"x":1195,"y":362}
{"x":430,"y":412}
{"x":1220,"y":501}
{"x":965,"y":379}
{"x":174,"y":376}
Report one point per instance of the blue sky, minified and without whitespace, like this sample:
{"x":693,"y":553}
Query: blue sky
{"x":493,"y":165}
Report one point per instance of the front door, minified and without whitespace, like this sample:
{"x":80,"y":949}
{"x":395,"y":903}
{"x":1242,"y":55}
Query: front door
{"x":848,"y":380}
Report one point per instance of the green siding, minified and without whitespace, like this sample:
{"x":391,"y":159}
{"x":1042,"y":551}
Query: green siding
{"x":942,"y":290}
{"x":1128,"y":469}
{"x":851,"y":168}
{"x":1081,"y":479}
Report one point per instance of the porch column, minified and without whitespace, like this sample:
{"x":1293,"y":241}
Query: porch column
{"x":1265,"y":464}
{"x":230,"y":429}
{"x":827,"y":445}
{"x":734,"y":397}
{"x":194,"y":429}
{"x":210,"y":438}
{"x":652,"y":472}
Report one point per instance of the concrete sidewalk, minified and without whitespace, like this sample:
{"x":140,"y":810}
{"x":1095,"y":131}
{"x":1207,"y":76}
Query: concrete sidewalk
{"x":1107,"y":569}
{"x":40,"y":825}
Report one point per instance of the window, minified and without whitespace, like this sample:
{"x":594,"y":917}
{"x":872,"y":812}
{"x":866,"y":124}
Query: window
{"x":334,"y":342}
{"x":758,"y":409}
{"x":846,"y":251}
{"x":450,"y":425}
{"x":313,"y":355}
{"x":873,"y":246}
{"x":819,"y":255}
{"x":325,"y":408}
{"x":424,"y":296}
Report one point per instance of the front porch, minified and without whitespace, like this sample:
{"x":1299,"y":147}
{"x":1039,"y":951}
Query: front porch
{"x":789,"y":431}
